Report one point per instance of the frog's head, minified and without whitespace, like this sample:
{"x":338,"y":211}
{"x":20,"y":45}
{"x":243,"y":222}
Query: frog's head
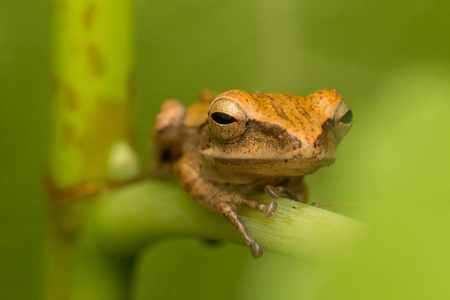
{"x":274,"y":134}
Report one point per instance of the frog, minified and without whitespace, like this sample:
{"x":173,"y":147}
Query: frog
{"x":224,"y":147}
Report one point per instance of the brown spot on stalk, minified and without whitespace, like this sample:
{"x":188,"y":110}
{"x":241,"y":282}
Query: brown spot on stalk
{"x":96,"y":61}
{"x":73,"y":193}
{"x":71,"y":98}
{"x":58,"y":4}
{"x":89,"y":15}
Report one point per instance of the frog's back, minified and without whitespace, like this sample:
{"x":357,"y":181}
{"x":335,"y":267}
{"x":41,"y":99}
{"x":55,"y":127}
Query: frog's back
{"x":176,"y":130}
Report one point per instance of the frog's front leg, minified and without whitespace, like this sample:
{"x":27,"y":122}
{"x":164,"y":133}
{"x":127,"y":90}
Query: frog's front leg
{"x":220,"y":197}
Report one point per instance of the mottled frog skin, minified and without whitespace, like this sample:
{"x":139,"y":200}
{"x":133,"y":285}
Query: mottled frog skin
{"x":225,"y":146}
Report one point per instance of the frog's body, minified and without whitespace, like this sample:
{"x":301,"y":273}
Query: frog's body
{"x":223,"y":147}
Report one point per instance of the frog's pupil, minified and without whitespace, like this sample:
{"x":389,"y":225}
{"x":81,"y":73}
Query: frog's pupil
{"x":347,"y":118}
{"x":222,"y":118}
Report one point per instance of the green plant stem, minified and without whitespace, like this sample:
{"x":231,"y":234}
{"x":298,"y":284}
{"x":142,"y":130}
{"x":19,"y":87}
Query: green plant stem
{"x":91,"y":141}
{"x":93,"y":89}
{"x":128,"y":219}
{"x":81,"y":269}
{"x":124,"y":221}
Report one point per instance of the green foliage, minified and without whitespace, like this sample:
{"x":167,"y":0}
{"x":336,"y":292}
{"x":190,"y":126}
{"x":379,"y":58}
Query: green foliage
{"x":388,"y":59}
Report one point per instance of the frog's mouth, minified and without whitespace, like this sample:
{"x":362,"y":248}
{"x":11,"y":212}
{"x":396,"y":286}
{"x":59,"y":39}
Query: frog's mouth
{"x":268,"y":166}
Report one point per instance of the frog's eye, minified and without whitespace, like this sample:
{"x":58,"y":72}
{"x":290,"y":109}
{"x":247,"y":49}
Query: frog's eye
{"x":227,"y":120}
{"x":222,"y":118}
{"x":347,"y":118}
{"x":343,"y":119}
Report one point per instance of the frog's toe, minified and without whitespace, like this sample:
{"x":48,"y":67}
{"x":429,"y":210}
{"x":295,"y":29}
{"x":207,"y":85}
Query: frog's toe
{"x":257,"y":250}
{"x":276,"y":192}
{"x":315,"y":204}
{"x":270,"y":209}
{"x":272,"y":191}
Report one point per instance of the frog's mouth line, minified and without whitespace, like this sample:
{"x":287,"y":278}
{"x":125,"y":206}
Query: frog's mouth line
{"x":270,"y":161}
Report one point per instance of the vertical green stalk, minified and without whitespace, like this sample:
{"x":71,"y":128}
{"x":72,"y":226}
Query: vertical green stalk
{"x":93,"y":78}
{"x":93,"y":84}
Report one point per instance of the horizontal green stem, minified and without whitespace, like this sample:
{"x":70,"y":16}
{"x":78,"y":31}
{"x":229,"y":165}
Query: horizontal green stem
{"x":128,"y":219}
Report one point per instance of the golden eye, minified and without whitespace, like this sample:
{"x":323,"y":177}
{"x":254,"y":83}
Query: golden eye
{"x":227,"y":120}
{"x":343,"y":119}
{"x":222,"y":118}
{"x":347,"y":118}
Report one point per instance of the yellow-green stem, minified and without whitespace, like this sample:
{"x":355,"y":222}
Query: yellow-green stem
{"x":128,"y":219}
{"x":93,"y":75}
{"x":93,"y":78}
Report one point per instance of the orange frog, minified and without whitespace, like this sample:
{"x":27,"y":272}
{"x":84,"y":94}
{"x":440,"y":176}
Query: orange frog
{"x":224,"y":147}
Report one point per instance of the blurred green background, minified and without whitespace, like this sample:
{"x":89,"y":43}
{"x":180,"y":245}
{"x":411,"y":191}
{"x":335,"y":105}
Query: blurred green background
{"x":390,"y":61}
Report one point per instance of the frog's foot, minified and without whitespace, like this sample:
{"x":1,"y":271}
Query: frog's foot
{"x":315,"y":204}
{"x":268,"y":209}
{"x":276,"y":192}
{"x":230,"y":212}
{"x":257,"y":250}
